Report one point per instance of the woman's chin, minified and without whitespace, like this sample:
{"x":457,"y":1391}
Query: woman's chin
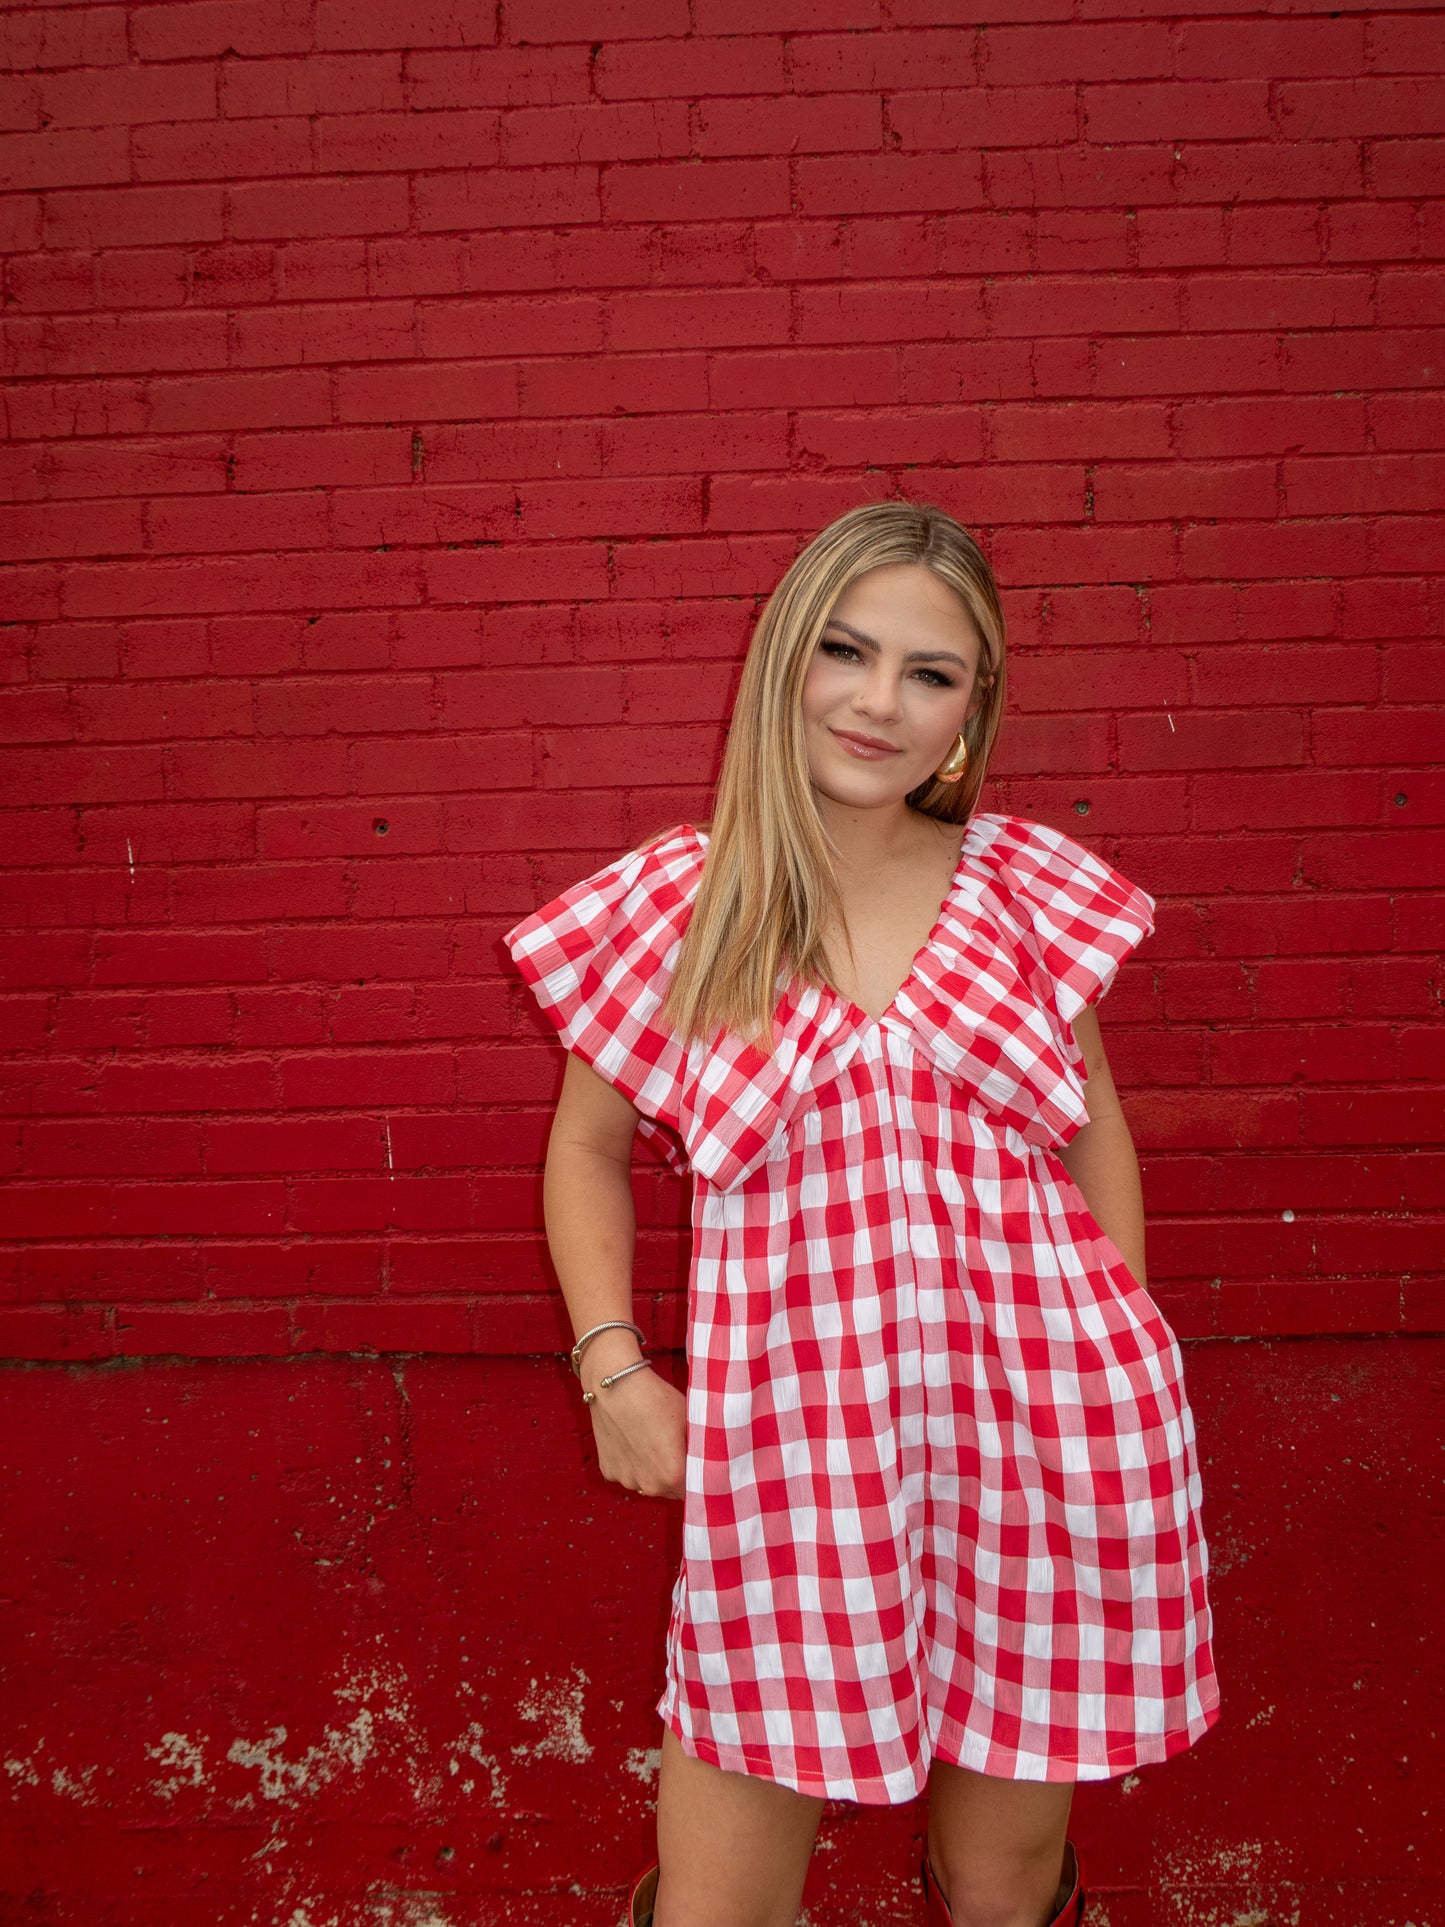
{"x":860,"y":788}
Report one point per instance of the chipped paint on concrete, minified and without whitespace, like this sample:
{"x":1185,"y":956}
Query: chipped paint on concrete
{"x":556,"y":1706}
{"x":385,"y":1715}
{"x":644,"y":1762}
{"x":469,"y":1743}
{"x":382,"y":1905}
{"x":409,"y":1910}
{"x":1200,"y":1877}
{"x":420,"y":1622}
{"x":346,"y":1746}
{"x":186,"y":1759}
{"x":395,"y":1910}
{"x":74,"y":1786}
{"x":23,"y":1771}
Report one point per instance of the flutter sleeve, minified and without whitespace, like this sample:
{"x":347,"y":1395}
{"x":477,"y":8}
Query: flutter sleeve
{"x":1083,"y":918}
{"x":599,"y":957}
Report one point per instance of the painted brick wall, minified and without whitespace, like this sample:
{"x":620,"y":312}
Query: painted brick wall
{"x":408,"y":409}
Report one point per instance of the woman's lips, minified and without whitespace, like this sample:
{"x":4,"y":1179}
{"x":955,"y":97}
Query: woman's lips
{"x":869,"y":749}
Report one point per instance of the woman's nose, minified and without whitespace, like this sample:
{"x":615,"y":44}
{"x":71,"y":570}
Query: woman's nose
{"x":879,"y":692}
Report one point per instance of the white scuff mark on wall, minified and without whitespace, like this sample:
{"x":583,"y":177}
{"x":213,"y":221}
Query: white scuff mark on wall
{"x":470,"y":1744}
{"x":276,"y":1842}
{"x":184,"y":1757}
{"x":644,"y":1762}
{"x":556,"y":1706}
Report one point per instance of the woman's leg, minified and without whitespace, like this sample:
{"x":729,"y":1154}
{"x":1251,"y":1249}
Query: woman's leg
{"x":733,"y":1849}
{"x":997,"y":1846}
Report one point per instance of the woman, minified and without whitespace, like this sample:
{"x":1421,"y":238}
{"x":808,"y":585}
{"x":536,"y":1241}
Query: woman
{"x":941,"y":1505}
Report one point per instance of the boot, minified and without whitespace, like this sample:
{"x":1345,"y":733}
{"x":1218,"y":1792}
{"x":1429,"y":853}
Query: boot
{"x":644,"y":1894}
{"x":1071,"y":1914}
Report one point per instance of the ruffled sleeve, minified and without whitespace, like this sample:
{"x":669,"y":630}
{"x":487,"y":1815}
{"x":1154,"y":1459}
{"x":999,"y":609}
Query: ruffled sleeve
{"x":599,"y":957}
{"x":1082,"y":918}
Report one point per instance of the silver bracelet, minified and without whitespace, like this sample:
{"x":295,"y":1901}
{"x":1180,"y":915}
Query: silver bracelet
{"x":642,"y":1365}
{"x":607,"y":1325}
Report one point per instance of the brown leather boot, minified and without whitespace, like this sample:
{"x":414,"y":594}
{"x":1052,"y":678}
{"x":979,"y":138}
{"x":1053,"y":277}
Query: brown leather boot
{"x":644,"y":1895}
{"x":1071,"y":1914}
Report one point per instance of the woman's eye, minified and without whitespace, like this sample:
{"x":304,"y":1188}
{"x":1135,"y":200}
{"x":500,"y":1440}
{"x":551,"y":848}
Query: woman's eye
{"x":845,"y":652}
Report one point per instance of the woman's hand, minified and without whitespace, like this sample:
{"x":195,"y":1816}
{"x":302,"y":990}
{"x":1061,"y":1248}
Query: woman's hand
{"x":640,"y":1425}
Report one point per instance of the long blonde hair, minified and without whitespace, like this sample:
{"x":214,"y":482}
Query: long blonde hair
{"x":768,"y":891}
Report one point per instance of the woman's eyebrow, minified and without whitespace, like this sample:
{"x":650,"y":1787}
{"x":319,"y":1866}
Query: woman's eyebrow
{"x":914,"y":655}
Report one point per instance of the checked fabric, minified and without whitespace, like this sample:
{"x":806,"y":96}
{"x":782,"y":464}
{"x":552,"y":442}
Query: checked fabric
{"x":942,"y":1492}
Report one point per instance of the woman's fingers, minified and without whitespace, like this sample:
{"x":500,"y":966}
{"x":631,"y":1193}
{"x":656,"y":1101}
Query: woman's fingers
{"x":642,"y":1438}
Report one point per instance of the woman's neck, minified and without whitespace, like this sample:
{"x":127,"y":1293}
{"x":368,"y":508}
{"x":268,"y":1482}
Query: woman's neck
{"x":867,"y":841}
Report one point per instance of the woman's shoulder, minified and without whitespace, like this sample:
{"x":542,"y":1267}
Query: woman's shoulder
{"x":1056,"y":881}
{"x":1034,"y":854}
{"x":666,"y":859}
{"x":645,"y":890}
{"x":682,"y":836}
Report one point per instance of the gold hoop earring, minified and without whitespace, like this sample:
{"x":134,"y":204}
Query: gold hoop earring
{"x":954,"y":768}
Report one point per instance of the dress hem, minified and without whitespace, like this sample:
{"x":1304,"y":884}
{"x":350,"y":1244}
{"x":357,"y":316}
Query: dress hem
{"x":1150,"y":1750}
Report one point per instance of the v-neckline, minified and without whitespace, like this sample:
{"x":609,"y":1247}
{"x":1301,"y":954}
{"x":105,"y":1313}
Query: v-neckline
{"x":846,"y":1002}
{"x":922,"y":951}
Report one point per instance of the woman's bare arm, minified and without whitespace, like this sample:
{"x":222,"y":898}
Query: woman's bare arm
{"x":639,"y":1423}
{"x":1100,"y":1157}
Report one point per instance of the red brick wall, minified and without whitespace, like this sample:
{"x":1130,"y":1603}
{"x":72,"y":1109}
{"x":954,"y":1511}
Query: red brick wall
{"x":409,"y":409}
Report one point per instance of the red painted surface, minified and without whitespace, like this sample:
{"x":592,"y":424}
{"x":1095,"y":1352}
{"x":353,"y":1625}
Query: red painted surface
{"x":407,"y":410}
{"x":357,"y":1641}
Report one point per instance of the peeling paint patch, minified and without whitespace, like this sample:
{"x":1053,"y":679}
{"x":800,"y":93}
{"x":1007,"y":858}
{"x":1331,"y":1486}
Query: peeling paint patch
{"x":556,"y":1706}
{"x":186,"y":1759}
{"x":280,"y":1777}
{"x":644,"y":1762}
{"x":391,"y":1910}
{"x":73,"y":1786}
{"x":65,"y":1784}
{"x":384,"y":1714}
{"x":23,"y":1772}
{"x":470,"y":1744}
{"x":412,"y":1910}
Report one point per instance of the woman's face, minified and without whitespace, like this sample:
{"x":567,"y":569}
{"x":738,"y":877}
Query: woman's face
{"x":889,"y":686}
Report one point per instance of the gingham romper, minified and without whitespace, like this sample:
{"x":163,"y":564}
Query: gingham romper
{"x":942,"y":1496}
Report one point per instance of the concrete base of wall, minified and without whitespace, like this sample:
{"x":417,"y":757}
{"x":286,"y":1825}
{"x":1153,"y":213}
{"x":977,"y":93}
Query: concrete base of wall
{"x":364,"y":1642}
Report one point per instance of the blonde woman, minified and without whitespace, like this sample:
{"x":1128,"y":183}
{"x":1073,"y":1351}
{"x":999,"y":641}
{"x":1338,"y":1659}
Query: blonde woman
{"x":941,"y":1524}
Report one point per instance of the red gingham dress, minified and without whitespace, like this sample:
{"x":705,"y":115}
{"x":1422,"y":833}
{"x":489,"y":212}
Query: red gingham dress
{"x":942,"y":1495}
